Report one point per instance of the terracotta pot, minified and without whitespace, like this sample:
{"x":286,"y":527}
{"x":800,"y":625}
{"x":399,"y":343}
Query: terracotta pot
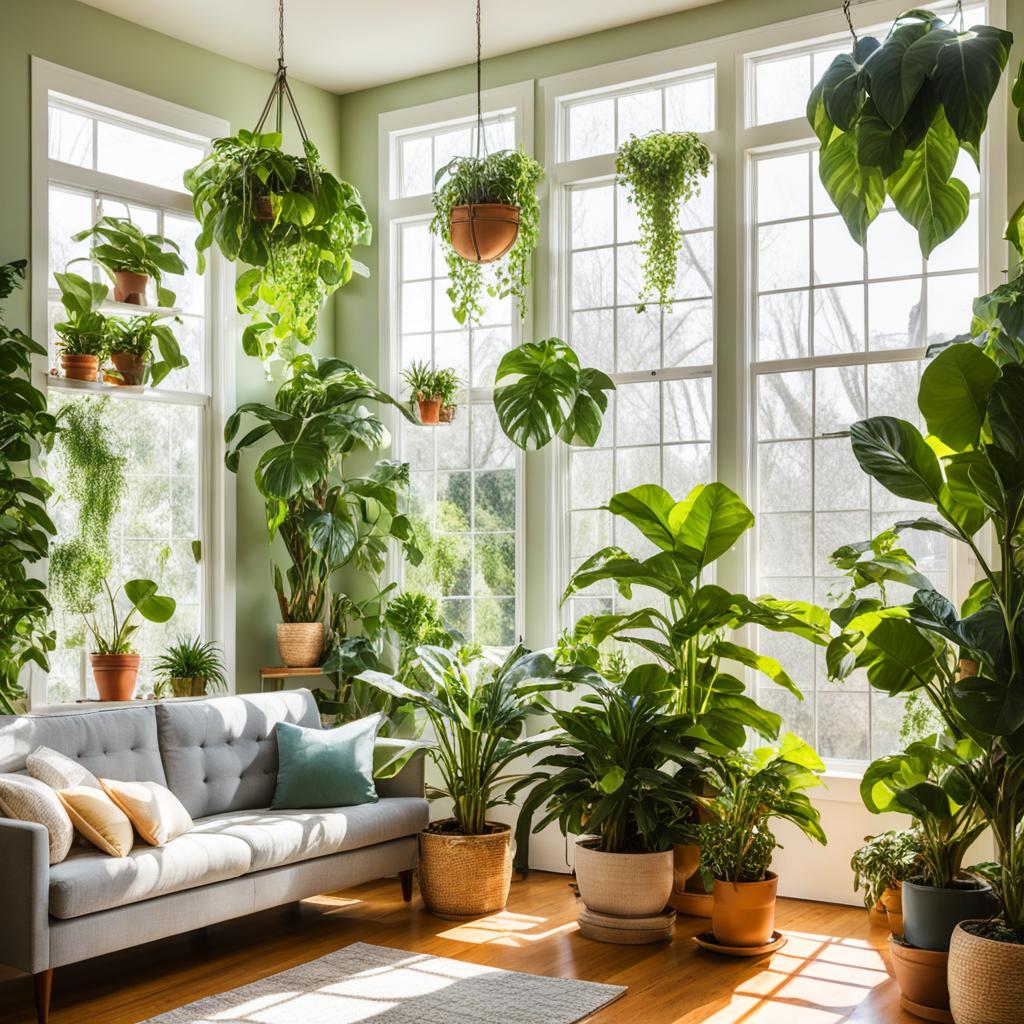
{"x":968,"y":667}
{"x":930,"y":914}
{"x":300,"y":643}
{"x":262,"y":208}
{"x":130,"y":366}
{"x":743,"y":913}
{"x":465,"y":876}
{"x":986,"y":979}
{"x":877,"y":916}
{"x":130,"y":288}
{"x":446,"y":413}
{"x":430,"y":410}
{"x":921,"y":976}
{"x":484,"y":232}
{"x":892,"y":902}
{"x":115,"y":675}
{"x":685,"y":864}
{"x":80,"y":367}
{"x":623,"y":884}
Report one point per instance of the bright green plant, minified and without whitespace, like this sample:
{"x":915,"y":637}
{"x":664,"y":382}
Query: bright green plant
{"x":752,"y":789}
{"x":186,"y":662}
{"x":541,"y":390}
{"x":27,"y":430}
{"x":84,"y":331}
{"x":143,"y":600}
{"x":892,"y":116}
{"x":447,"y":385}
{"x":884,"y":861}
{"x":660,"y":172}
{"x":123,"y":245}
{"x":510,"y":177}
{"x":139,"y":335}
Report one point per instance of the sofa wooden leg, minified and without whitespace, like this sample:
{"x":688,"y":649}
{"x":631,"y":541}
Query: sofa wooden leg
{"x":405,"y":877}
{"x":44,"y":985}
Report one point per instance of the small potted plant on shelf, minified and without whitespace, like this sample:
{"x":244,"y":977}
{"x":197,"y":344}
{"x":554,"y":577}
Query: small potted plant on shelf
{"x":190,"y":667}
{"x":880,"y":867}
{"x":422,"y":381}
{"x":84,"y":332}
{"x":485,"y":211}
{"x":447,"y":386}
{"x":131,"y":257}
{"x":131,"y":345}
{"x":752,"y":789}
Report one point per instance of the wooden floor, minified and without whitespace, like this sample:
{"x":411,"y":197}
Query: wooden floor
{"x":833,"y":969}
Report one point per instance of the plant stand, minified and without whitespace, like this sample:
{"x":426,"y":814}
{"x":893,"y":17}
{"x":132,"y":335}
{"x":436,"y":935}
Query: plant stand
{"x":627,"y":931}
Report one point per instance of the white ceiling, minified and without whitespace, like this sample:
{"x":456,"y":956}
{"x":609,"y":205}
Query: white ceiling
{"x":343,"y":45}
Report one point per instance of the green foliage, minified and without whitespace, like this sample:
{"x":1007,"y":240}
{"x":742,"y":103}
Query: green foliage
{"x":751,"y":789}
{"x":892,"y":115}
{"x":299,"y":255}
{"x":510,"y":177}
{"x":138,"y":336}
{"x":190,"y":658}
{"x":424,"y":382}
{"x":660,"y":172}
{"x":27,"y":430}
{"x":884,"y":861}
{"x":143,"y":600}
{"x":541,"y":390}
{"x":85,"y":330}
{"x":123,"y":245}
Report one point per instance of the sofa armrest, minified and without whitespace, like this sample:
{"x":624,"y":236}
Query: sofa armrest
{"x":409,"y":780}
{"x":24,"y":895}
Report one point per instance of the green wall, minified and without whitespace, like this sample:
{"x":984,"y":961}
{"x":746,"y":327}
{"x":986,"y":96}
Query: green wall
{"x":80,"y":37}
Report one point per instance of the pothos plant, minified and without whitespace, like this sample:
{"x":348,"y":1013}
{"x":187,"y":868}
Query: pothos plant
{"x":660,"y":172}
{"x":892,"y":115}
{"x":508,"y":176}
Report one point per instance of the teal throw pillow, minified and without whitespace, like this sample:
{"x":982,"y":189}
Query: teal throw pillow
{"x":326,"y":767}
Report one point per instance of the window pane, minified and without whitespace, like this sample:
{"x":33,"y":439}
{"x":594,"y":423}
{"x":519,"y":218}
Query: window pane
{"x":781,"y":88}
{"x":690,"y":106}
{"x":591,"y":128}
{"x":70,"y":212}
{"x":138,"y":155}
{"x":70,"y":137}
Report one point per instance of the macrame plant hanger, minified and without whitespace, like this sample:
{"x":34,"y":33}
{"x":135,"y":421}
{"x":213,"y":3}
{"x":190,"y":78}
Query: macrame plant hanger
{"x":481,"y":135}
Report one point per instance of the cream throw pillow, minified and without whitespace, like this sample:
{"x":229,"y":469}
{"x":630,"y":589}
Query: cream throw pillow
{"x":26,"y":799}
{"x":57,"y":770}
{"x":157,"y":814}
{"x":99,"y":819}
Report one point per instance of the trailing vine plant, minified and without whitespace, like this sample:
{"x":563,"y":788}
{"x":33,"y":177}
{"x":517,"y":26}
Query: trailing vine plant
{"x":660,"y":172}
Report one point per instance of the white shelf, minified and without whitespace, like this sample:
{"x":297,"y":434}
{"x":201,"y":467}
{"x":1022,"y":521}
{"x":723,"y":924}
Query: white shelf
{"x":130,"y":309}
{"x":66,"y":383}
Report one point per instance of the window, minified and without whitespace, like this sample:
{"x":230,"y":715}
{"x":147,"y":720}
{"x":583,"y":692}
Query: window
{"x":102,"y":160}
{"x":465,"y":494}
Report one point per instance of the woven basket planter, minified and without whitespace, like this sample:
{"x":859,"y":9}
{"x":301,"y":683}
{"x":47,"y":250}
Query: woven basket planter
{"x":465,"y":876}
{"x":300,"y":643}
{"x":986,"y":980}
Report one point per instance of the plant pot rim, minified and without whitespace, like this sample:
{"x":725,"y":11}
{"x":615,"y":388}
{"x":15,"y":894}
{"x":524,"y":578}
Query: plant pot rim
{"x":492,"y":206}
{"x":971,"y":883}
{"x":303,"y":622}
{"x":589,"y":844}
{"x":769,"y":876}
{"x":130,"y":654}
{"x":914,"y":952}
{"x":983,"y":938}
{"x":497,"y":828}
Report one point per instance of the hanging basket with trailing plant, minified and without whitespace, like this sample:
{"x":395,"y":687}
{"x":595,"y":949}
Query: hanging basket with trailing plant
{"x":660,"y":172}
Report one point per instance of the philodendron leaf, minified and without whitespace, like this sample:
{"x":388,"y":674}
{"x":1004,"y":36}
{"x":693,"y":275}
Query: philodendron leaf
{"x":894,"y":453}
{"x":151,"y":605}
{"x":857,"y":191}
{"x":898,"y":70}
{"x":710,"y":520}
{"x":583,"y":426}
{"x":286,"y":469}
{"x":842,"y":85}
{"x":1006,"y":411}
{"x":878,"y":143}
{"x":535,"y":390}
{"x":954,"y":394}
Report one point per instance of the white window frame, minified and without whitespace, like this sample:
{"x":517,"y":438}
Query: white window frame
{"x":517,"y":98}
{"x":216,"y":498}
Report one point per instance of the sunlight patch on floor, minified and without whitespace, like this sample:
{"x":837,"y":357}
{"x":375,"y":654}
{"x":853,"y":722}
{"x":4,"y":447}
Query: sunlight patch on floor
{"x":505,"y":929}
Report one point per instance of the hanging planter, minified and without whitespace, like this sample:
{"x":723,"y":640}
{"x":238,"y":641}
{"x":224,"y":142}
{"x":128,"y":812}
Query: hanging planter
{"x":483,"y":232}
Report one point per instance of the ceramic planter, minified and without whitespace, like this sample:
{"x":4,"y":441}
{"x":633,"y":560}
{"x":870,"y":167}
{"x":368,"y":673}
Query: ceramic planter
{"x":430,"y":410}
{"x":130,"y":366}
{"x":986,"y":979}
{"x":921,"y":976}
{"x":447,"y":413}
{"x":115,"y":675}
{"x":930,"y":914}
{"x":130,"y":287}
{"x":484,"y":232}
{"x":300,"y":643}
{"x":465,"y":876}
{"x":743,"y":913}
{"x":188,"y":686}
{"x":80,"y":367}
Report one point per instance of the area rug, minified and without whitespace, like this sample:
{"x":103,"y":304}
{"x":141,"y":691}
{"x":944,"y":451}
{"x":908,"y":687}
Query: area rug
{"x":389,"y":986}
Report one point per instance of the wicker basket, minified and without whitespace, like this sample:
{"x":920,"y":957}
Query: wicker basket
{"x":986,"y":980}
{"x":300,"y":643}
{"x":465,"y":876}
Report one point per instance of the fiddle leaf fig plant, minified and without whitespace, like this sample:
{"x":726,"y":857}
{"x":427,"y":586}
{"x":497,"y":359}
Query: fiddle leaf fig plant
{"x":541,"y":390}
{"x":892,"y":115}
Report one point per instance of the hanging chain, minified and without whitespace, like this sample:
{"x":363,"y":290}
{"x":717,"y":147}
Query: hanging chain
{"x":280,"y":91}
{"x":280,"y":33}
{"x":480,"y":141}
{"x":849,"y":20}
{"x":959,"y":13}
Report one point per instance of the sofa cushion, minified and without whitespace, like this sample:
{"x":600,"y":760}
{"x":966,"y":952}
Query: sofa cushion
{"x":278,"y":837}
{"x":27,"y":799}
{"x":87,"y":881}
{"x":220,"y":754}
{"x":153,"y":809}
{"x":97,"y":818}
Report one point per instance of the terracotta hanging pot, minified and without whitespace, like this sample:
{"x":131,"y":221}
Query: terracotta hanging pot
{"x":130,"y":366}
{"x":130,"y":287}
{"x":484,"y":232}
{"x":430,"y":411}
{"x":80,"y":367}
{"x":743,"y":913}
{"x":115,"y":675}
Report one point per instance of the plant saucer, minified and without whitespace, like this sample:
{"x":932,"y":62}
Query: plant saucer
{"x":706,"y":940}
{"x":926,"y":1012}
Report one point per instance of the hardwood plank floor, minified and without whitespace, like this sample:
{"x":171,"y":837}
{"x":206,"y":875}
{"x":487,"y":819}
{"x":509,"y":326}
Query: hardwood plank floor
{"x":834,"y":968}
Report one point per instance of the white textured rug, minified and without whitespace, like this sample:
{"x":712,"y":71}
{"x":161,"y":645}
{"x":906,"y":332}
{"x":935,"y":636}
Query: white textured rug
{"x":389,"y":986}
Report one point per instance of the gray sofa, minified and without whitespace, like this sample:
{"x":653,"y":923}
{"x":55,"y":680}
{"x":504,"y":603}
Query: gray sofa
{"x":219,"y":757}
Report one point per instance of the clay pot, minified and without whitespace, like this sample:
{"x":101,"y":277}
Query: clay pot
{"x":877,"y":916}
{"x":115,"y":675}
{"x":430,"y":411}
{"x":986,"y":979}
{"x":685,"y":863}
{"x":743,"y":913}
{"x":262,"y":208}
{"x":930,"y":914}
{"x":892,"y":902}
{"x":300,"y":643}
{"x":968,"y":667}
{"x":80,"y":367}
{"x":484,"y":232}
{"x":921,"y":976}
{"x":623,"y":884}
{"x":130,"y":287}
{"x":446,"y":413}
{"x":130,"y":366}
{"x":465,"y":876}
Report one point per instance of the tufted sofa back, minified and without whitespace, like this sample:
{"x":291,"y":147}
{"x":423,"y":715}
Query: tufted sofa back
{"x":220,"y":754}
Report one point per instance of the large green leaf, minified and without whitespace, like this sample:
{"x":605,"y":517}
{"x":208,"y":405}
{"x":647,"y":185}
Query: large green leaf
{"x":954,"y":391}
{"x":842,"y":85}
{"x":648,"y":508}
{"x":333,"y":535}
{"x":583,"y":425}
{"x":901,"y":654}
{"x":151,"y":605}
{"x":894,"y":453}
{"x":287,"y":469}
{"x":710,"y":520}
{"x":1006,"y":411}
{"x":857,"y":191}
{"x":991,"y":706}
{"x":897,"y":71}
{"x":878,"y":143}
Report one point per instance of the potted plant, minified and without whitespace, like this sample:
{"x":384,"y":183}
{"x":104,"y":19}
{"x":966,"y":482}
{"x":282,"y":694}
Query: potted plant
{"x":660,"y":172}
{"x":132,"y":343}
{"x":29,"y":430}
{"x":477,"y":712}
{"x":880,"y":867}
{"x":189,"y":667}
{"x":84,"y":332}
{"x":115,"y":665}
{"x":752,"y":789}
{"x":486,"y":211}
{"x":422,"y":381}
{"x":447,"y":385}
{"x":131,"y":257}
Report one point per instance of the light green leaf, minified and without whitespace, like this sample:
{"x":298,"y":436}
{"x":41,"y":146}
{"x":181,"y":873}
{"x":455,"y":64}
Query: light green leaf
{"x":858,"y":192}
{"x":954,"y":391}
{"x":894,"y":453}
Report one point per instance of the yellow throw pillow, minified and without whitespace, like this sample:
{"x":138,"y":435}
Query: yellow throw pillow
{"x":157,"y":814}
{"x":99,"y":819}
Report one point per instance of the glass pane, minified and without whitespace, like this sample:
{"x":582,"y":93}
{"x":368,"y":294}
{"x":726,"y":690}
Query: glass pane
{"x":416,"y":247}
{"x":781,"y":88}
{"x":416,"y":163}
{"x":592,"y":282}
{"x":129,"y":153}
{"x":782,"y":186}
{"x":784,"y":405}
{"x":689,"y":334}
{"x":895,"y":314}
{"x":839,"y":320}
{"x":593,"y":216}
{"x":782,"y":325}
{"x":837,"y":257}
{"x":783,"y":256}
{"x":591,"y":128}
{"x":690,"y":106}
{"x":949,"y":305}
{"x":70,"y":136}
{"x":70,"y":212}
{"x":687,"y":410}
{"x":639,"y":114}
